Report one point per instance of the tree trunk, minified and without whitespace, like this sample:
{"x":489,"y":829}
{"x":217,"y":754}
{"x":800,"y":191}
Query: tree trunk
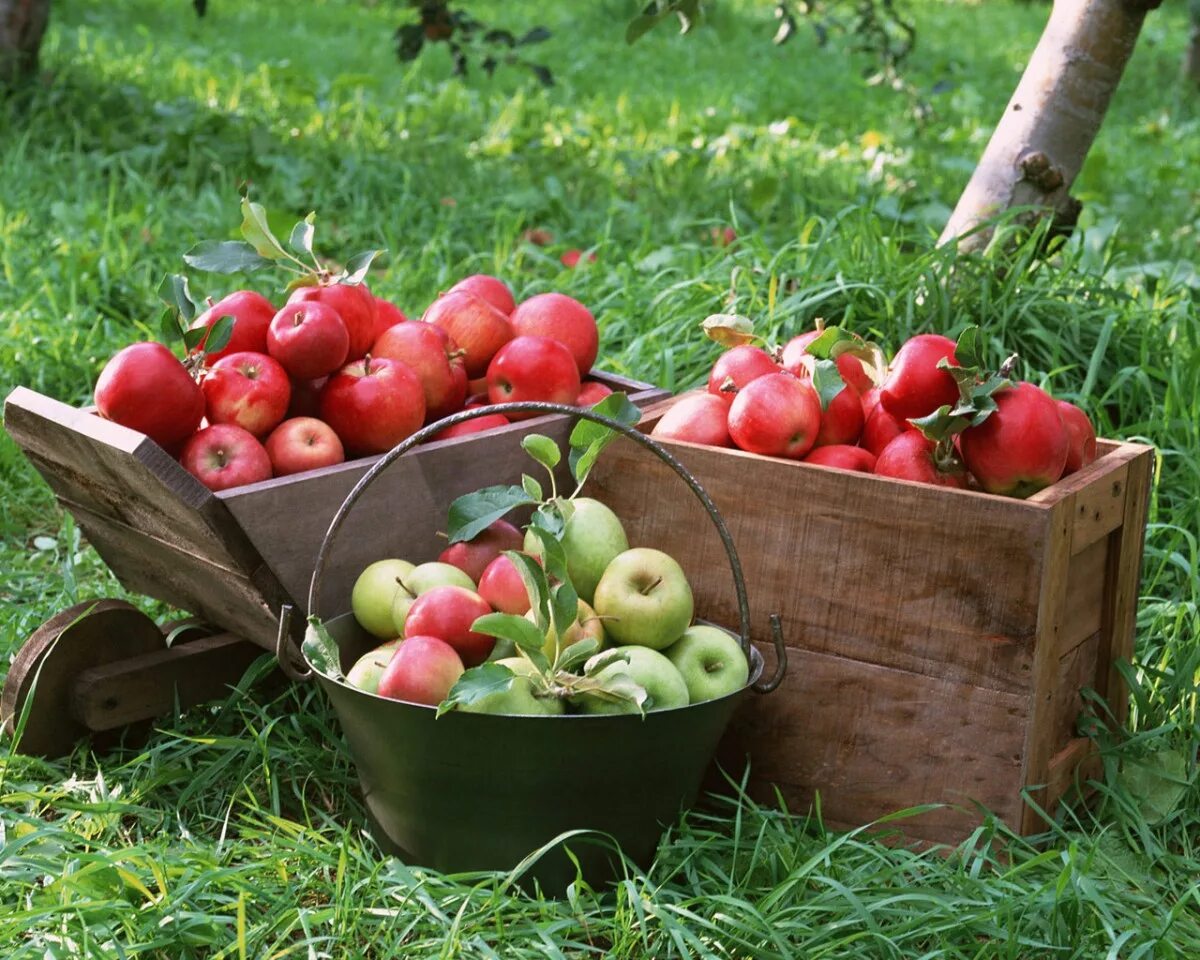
{"x":22,"y":23}
{"x":1041,"y":141}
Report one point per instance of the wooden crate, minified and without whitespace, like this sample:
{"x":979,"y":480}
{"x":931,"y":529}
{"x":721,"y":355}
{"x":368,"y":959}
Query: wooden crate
{"x":234,"y":557}
{"x":937,"y":639}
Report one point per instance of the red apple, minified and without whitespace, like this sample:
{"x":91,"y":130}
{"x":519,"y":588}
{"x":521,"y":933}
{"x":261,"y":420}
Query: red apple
{"x":561,"y":318}
{"x":372,"y":404}
{"x":915,"y":386}
{"x":251,"y":312}
{"x":842,"y":420}
{"x":491,"y":289}
{"x":1082,"y":434}
{"x":303,"y":443}
{"x":571,"y":258}
{"x":387,"y":314}
{"x":843,"y":458}
{"x":489,"y":422}
{"x":910,"y":457}
{"x":224,"y":455}
{"x":502,"y":587}
{"x":737,"y":367}
{"x":447,"y":613}
{"x":881,"y":429}
{"x":529,"y":368}
{"x":426,"y":349}
{"x":696,"y":418}
{"x":721,"y":236}
{"x":1021,"y":447}
{"x":473,"y":556}
{"x":308,"y":339}
{"x":146,"y":388}
{"x":591,"y":392}
{"x":247,"y":389}
{"x":422,"y":670}
{"x":476,"y":326}
{"x":353,"y":303}
{"x":870,"y":400}
{"x":306,"y":398}
{"x":777,"y":415}
{"x":796,"y":359}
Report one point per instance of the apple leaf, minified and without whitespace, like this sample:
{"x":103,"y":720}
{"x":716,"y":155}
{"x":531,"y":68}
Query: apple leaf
{"x":969,"y":350}
{"x":536,"y":585}
{"x":506,"y":626}
{"x":475,"y":684}
{"x":729,"y":329}
{"x":605,"y":658}
{"x":193,"y":338}
{"x":321,"y":650}
{"x":169,"y":329}
{"x":544,"y":450}
{"x":588,"y":439}
{"x":822,"y":348}
{"x":554,"y":558}
{"x":225,"y":256}
{"x":472,"y":513}
{"x":549,"y":517}
{"x":357,"y":267}
{"x":218,"y":334}
{"x":564,"y":607}
{"x":174,"y":292}
{"x":531,"y":487}
{"x":827,"y":381}
{"x":577,"y":652}
{"x":301,"y":239}
{"x":256,"y":231}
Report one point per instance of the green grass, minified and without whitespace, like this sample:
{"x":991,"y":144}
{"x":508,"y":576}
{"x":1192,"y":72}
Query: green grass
{"x":238,"y":831}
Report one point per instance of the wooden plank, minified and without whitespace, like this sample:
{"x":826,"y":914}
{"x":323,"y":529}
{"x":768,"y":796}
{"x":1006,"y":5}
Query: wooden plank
{"x":921,"y":579}
{"x":873,"y":740}
{"x":1099,"y":508}
{"x":116,"y":694}
{"x":1084,"y":611}
{"x":1076,"y":763}
{"x":185,"y":580}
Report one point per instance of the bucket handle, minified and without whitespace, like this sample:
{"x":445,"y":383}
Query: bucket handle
{"x":285,"y":653}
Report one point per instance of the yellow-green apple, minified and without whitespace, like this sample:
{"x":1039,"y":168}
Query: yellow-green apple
{"x":711,"y":662}
{"x":530,"y":368}
{"x":491,"y":289}
{"x":586,"y":626}
{"x":353,"y":303}
{"x":696,"y":418}
{"x":251,"y":312}
{"x":146,"y":388}
{"x":249,"y":390}
{"x":373,"y":404}
{"x":665,"y":687}
{"x":422,"y":670}
{"x":915,"y":384}
{"x":777,"y":415}
{"x":474,"y":325}
{"x":561,"y":318}
{"x":308,"y":339}
{"x":473,"y":556}
{"x":737,"y":367}
{"x":1022,"y":447}
{"x":427,"y":351}
{"x":224,"y":456}
{"x":591,"y":538}
{"x":644,"y":598}
{"x":502,"y":587}
{"x":1082,"y":434}
{"x":448,"y":613}
{"x":373,"y":593}
{"x":368,"y":669}
{"x":521,"y":697}
{"x":303,"y":443}
{"x":591,"y":392}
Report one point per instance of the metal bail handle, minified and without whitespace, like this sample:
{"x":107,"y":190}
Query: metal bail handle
{"x":283,"y":651}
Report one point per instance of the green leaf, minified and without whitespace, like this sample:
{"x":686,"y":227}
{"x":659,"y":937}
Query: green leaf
{"x":605,"y":658}
{"x":225,"y":256}
{"x":193,"y":338}
{"x":473,"y":513}
{"x":169,"y":329}
{"x":321,"y":650}
{"x":475,"y":684}
{"x":822,"y":347}
{"x":827,"y":381}
{"x":536,"y":585}
{"x":969,"y":350}
{"x":564,"y":607}
{"x":588,"y":439}
{"x":301,"y":239}
{"x":549,"y":517}
{"x":640,"y":25}
{"x":531,"y":487}
{"x":518,"y":631}
{"x":577,"y":652}
{"x":219,"y":334}
{"x":256,"y":231}
{"x":1159,"y":783}
{"x":174,"y":292}
{"x":728,"y":329}
{"x":357,"y":267}
{"x":544,"y":450}
{"x":554,"y":558}
{"x":943,"y":423}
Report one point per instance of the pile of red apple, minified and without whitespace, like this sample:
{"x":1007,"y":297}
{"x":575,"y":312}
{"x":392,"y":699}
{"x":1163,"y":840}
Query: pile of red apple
{"x":922,"y":417}
{"x":337,"y":372}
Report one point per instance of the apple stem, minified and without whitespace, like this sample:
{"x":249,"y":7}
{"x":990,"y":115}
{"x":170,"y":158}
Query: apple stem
{"x":367,"y":365}
{"x":657,"y":581}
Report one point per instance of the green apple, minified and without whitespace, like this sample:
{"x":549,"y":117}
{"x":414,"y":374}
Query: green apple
{"x":644,"y":599}
{"x":711,"y":662}
{"x":420,"y":579}
{"x":369,"y":667}
{"x":371,"y":598}
{"x":587,"y":625}
{"x":593,"y":535}
{"x":650,"y":670}
{"x":519,"y":698}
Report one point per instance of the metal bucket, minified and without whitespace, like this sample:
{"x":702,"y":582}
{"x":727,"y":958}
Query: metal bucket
{"x":476,"y":791}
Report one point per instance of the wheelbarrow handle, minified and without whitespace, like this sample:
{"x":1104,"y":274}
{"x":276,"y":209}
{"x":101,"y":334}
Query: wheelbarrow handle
{"x":284,"y":650}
